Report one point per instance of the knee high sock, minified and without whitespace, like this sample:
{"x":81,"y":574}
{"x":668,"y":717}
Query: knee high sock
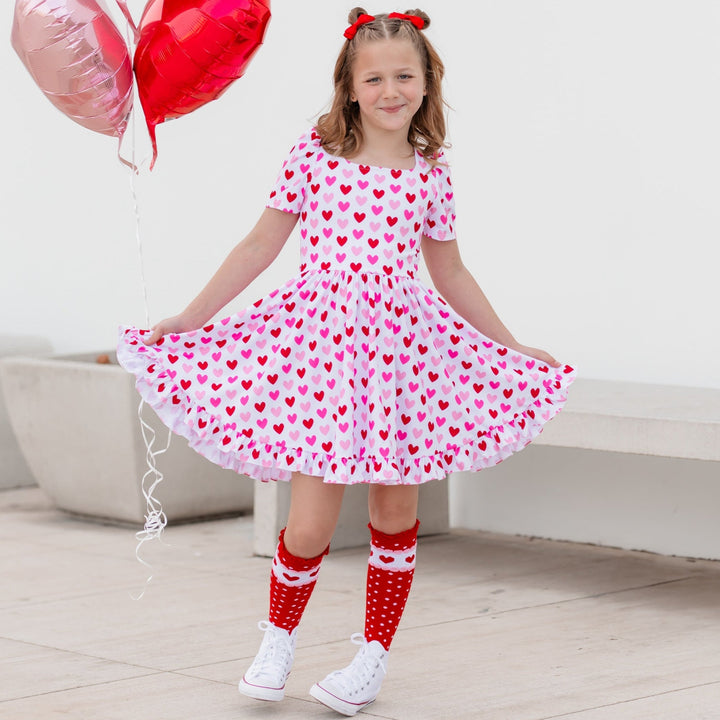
{"x":391,"y":567}
{"x":292,"y":580}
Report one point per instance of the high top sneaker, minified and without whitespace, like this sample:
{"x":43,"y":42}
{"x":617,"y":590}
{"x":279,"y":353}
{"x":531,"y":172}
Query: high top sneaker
{"x":265,"y":678}
{"x":353,"y":688}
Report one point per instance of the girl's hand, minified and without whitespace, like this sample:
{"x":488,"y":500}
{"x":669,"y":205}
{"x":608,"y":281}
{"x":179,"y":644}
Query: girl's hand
{"x":537,"y":354}
{"x":177,"y":324}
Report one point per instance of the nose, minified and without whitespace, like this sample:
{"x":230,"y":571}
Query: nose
{"x":390,"y":89}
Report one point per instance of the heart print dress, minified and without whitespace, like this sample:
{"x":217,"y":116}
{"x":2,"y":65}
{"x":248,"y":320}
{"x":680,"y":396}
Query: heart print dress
{"x":353,"y":370}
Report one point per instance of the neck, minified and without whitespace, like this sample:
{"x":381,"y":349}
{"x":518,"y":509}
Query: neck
{"x":383,"y":148}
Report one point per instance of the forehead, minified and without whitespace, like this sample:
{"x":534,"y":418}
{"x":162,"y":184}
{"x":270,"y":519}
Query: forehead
{"x":385,"y":54}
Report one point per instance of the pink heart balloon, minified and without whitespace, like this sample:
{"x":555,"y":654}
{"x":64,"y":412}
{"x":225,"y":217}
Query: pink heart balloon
{"x":79,"y":60}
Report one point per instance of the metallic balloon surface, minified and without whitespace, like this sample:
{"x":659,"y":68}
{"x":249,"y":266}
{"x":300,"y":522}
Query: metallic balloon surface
{"x":79,"y":60}
{"x":190,"y":51}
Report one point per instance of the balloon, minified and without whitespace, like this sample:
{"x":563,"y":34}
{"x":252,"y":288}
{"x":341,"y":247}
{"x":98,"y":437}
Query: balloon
{"x":190,"y":51}
{"x":79,"y":60}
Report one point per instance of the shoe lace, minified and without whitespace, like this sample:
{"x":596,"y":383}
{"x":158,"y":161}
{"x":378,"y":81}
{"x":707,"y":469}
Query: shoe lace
{"x":361,"y":671}
{"x":276,"y":651}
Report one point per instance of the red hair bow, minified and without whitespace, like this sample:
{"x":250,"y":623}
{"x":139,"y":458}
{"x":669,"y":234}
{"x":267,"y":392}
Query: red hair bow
{"x":352,"y":30}
{"x":418,"y":22}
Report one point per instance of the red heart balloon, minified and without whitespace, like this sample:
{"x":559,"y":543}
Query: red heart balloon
{"x":190,"y":51}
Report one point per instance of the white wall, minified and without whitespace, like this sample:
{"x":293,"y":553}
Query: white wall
{"x":586,"y":158}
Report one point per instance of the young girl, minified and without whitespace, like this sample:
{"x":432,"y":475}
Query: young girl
{"x":353,"y":371}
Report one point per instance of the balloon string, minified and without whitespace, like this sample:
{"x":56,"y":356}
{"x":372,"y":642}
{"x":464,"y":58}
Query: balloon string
{"x":155,"y":518}
{"x":138,"y":237}
{"x":133,"y":192}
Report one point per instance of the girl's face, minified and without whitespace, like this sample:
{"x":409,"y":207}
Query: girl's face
{"x":388,"y":83}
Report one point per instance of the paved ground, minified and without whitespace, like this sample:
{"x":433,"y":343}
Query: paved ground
{"x":497,"y":628}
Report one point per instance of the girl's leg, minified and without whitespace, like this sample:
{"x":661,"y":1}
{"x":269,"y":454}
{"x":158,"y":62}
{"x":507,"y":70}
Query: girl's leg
{"x":393,"y":526}
{"x":314,"y":509}
{"x":393,"y":508}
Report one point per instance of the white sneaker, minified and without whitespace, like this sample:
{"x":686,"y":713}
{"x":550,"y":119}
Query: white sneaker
{"x":353,"y":688}
{"x":265,"y":678}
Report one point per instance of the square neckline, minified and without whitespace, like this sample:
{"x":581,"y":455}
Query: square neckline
{"x":383,"y":168}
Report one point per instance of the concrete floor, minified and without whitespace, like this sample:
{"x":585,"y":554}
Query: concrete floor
{"x":497,"y":627}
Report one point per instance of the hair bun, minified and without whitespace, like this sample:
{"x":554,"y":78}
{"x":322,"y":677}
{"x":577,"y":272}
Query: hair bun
{"x":355,"y":13}
{"x":421,"y":14}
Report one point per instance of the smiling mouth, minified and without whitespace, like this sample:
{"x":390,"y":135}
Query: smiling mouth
{"x":393,"y":108}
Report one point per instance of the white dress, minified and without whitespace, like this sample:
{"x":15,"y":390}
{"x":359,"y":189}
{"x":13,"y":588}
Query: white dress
{"x":353,"y":370}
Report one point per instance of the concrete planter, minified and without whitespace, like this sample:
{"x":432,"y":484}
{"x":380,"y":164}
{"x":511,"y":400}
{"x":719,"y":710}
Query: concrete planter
{"x":76,"y":423}
{"x":14,"y":471}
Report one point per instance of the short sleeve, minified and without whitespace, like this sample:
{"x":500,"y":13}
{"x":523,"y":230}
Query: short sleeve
{"x":289,"y":191}
{"x":440,"y":216}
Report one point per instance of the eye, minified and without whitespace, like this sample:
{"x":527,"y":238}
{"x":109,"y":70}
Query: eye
{"x":373,"y":80}
{"x":405,"y":76}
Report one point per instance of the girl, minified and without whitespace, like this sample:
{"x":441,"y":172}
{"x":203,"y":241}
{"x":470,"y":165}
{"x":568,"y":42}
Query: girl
{"x":353,"y":371}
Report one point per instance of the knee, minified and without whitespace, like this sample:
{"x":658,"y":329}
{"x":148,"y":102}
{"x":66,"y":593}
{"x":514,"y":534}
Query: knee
{"x":305,"y":541}
{"x":393,"y":512}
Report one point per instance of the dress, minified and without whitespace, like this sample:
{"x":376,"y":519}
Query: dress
{"x":353,"y":370}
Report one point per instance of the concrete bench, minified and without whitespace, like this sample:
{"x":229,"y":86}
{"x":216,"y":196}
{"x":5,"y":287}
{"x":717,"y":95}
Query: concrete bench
{"x":625,"y":464}
{"x":664,"y":420}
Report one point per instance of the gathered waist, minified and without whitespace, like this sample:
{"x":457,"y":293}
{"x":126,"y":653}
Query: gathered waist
{"x":361,"y":271}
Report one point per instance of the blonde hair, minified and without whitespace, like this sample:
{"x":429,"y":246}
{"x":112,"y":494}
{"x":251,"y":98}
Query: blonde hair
{"x":340,"y":128}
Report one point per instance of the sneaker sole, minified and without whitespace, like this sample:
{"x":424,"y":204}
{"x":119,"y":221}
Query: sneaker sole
{"x":258,"y":692}
{"x":335,"y":703}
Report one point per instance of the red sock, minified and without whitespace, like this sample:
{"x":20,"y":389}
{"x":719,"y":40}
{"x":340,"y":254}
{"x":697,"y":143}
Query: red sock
{"x":391,"y":567}
{"x":291,"y":583}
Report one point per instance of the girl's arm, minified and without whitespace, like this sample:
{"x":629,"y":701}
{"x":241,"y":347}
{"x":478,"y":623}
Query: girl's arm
{"x":456,"y":285}
{"x":245,"y":262}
